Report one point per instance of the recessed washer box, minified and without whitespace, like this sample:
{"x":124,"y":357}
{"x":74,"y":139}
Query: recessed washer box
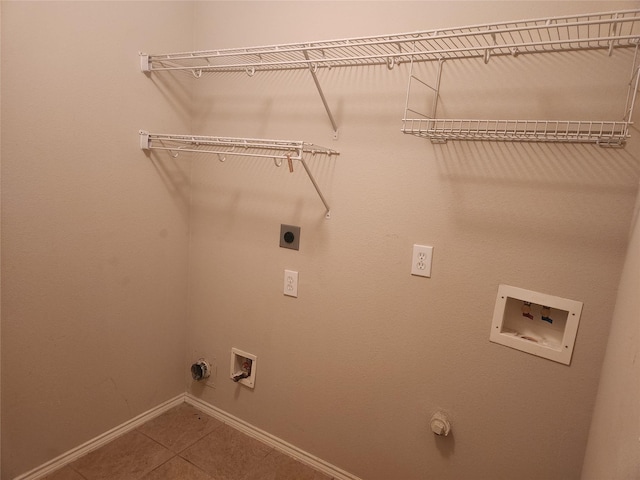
{"x":243,"y":367}
{"x":536,"y":323}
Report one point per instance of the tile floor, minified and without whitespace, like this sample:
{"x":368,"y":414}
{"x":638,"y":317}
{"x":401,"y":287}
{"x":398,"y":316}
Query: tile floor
{"x":185,"y":444}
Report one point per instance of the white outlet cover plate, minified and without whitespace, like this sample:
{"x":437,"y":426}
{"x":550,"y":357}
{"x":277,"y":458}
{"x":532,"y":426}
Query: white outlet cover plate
{"x":421,"y":260}
{"x":291,"y":283}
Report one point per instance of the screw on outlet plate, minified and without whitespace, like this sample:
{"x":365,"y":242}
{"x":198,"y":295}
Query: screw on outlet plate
{"x":290,"y":237}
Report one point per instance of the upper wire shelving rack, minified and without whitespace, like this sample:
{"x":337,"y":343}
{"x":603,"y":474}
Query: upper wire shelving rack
{"x":600,"y":31}
{"x":595,"y":31}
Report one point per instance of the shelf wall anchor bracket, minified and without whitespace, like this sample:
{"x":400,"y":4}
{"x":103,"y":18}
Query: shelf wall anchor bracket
{"x":144,"y":139}
{"x":145,"y":66}
{"x":312,"y":70}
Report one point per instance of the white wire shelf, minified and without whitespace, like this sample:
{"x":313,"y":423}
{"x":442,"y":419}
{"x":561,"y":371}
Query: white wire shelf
{"x":588,"y":32}
{"x":606,"y":30}
{"x":606,"y":134}
{"x":223,"y":147}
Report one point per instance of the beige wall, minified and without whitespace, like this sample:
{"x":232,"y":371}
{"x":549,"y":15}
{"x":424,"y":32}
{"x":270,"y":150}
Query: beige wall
{"x":94,"y":237}
{"x":612,"y":450}
{"x":0,"y":243}
{"x":352,"y":369}
{"x":96,"y":254}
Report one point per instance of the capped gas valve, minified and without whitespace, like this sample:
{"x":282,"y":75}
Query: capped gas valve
{"x":440,"y":424}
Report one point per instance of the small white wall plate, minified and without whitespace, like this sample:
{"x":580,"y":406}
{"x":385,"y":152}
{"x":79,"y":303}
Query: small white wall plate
{"x":536,"y":323}
{"x":238,"y":357}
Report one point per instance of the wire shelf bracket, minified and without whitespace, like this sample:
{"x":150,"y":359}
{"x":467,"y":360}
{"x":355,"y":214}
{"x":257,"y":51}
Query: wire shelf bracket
{"x":277,"y":150}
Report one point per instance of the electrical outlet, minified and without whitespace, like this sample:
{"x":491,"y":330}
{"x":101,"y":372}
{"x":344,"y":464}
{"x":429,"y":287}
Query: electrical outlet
{"x":421,"y":260}
{"x":291,"y":283}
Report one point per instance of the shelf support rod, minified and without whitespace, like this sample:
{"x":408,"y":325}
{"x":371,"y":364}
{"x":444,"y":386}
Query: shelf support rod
{"x":406,"y":102}
{"x":324,"y":100}
{"x":633,"y":87}
{"x":315,"y":185}
{"x":437,"y":89}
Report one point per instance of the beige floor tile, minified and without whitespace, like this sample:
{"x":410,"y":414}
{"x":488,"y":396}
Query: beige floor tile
{"x":66,"y":473}
{"x":226,"y":454}
{"x":180,"y":427}
{"x":277,"y":466}
{"x":129,"y":457}
{"x":177,"y":469}
{"x":208,"y":450}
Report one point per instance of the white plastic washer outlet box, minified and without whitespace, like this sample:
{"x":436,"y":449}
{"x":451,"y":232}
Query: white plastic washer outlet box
{"x":238,"y":358}
{"x":536,"y":323}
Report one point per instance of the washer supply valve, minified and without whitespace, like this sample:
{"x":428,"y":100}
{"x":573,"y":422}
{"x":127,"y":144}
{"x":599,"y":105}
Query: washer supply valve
{"x":245,"y":372}
{"x":240,"y":376}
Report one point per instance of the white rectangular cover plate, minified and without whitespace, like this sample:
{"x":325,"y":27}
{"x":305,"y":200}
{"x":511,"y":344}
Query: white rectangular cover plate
{"x":521,"y":321}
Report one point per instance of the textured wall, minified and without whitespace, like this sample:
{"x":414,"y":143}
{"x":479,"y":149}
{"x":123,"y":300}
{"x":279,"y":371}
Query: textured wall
{"x":95,"y":245}
{"x":612,"y":450}
{"x":94,"y":238}
{"x":352,"y":369}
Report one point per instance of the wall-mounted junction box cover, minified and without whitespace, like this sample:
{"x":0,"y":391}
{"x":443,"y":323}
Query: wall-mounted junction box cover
{"x":290,"y":236}
{"x":536,"y":323}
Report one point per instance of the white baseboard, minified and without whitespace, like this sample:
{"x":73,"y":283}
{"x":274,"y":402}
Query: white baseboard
{"x":271,"y":440}
{"x":99,"y":441}
{"x":246,"y":428}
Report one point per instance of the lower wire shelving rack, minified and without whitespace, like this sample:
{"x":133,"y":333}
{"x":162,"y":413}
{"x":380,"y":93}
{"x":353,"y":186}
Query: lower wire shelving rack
{"x":439,"y":130}
{"x":278,"y":151}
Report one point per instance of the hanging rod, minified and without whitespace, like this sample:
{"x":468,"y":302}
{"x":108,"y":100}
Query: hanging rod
{"x":601,"y":31}
{"x":277,"y":150}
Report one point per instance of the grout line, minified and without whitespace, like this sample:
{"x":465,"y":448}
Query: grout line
{"x":163,"y":463}
{"x":137,"y":430}
{"x":195,"y":466}
{"x":76,"y":472}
